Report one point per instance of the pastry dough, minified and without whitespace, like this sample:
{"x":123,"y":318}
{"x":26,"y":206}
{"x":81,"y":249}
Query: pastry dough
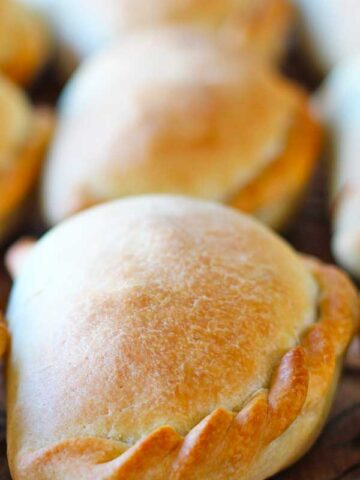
{"x":330,"y":30}
{"x":260,"y":25}
{"x":176,"y":111}
{"x":24,"y":135}
{"x":340,"y":103}
{"x":25,"y":42}
{"x":168,"y":338}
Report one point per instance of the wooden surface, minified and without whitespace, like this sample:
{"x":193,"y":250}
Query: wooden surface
{"x":336,"y":455}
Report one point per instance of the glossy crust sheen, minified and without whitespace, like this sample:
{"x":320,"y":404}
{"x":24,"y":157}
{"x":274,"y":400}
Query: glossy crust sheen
{"x":25,"y":42}
{"x":252,"y":394}
{"x":202,"y":120}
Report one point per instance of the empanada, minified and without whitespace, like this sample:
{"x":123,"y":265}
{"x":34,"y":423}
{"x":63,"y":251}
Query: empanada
{"x":171,"y":339}
{"x":177,"y":111}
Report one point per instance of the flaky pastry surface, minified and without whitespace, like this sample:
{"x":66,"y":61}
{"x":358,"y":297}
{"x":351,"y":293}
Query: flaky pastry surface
{"x":180,"y":340}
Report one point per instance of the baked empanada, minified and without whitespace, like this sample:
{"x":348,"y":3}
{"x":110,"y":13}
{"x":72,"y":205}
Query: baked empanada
{"x":24,"y":135}
{"x":177,"y":111}
{"x":171,"y":339}
{"x":25,"y":42}
{"x":340,"y":103}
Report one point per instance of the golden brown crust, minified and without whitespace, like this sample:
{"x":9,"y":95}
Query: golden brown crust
{"x":274,"y":194}
{"x":226,"y":444}
{"x":17,"y":181}
{"x":25,"y":42}
{"x":259,"y":26}
{"x":265,"y":29}
{"x":180,"y":128}
{"x":302,"y":379}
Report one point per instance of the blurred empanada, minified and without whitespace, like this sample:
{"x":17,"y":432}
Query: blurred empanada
{"x":24,"y":135}
{"x":178,"y":111}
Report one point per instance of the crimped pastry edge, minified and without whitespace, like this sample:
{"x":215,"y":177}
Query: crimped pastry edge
{"x":226,"y":445}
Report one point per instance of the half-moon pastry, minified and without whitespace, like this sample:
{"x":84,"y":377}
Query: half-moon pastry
{"x":25,"y":42}
{"x":168,"y":338}
{"x":340,"y":103}
{"x":176,"y":111}
{"x":329,"y":30}
{"x":24,"y":135}
{"x":259,"y":25}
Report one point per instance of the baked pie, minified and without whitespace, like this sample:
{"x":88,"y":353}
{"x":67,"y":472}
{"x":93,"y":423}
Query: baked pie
{"x":24,"y":135}
{"x":176,"y":111}
{"x":329,"y":30}
{"x":85,"y":26}
{"x":25,"y":42}
{"x":162,"y":337}
{"x":340,"y":104}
